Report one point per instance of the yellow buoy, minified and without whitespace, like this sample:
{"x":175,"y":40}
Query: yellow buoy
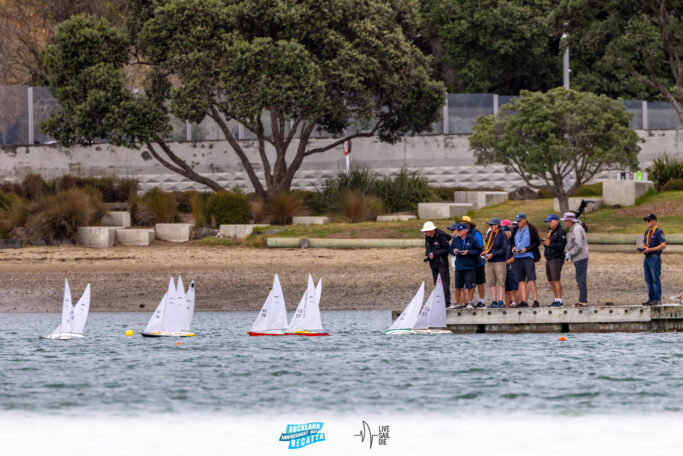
{"x":129,"y":332}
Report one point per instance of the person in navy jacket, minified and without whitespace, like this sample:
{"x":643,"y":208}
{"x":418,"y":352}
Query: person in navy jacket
{"x":466,"y":250}
{"x":652,"y":264}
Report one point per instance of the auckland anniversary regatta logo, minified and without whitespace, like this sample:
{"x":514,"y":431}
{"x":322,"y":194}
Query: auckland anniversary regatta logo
{"x":300,"y":435}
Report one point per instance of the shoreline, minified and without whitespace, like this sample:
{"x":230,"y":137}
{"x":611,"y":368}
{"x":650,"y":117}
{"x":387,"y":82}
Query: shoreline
{"x":125,"y":279}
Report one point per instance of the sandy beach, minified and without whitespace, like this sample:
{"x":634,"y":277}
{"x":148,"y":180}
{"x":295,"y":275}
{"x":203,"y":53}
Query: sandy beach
{"x":230,"y":278}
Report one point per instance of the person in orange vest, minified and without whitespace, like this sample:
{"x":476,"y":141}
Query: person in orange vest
{"x":495,"y":250}
{"x":652,"y":264}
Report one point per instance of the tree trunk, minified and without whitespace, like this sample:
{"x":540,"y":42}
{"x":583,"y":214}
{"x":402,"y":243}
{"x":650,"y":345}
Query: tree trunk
{"x":564,"y":203}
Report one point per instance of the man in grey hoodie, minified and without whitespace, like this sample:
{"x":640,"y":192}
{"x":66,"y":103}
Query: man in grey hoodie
{"x":577,"y":251}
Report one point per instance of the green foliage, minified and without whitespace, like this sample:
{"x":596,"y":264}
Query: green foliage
{"x":155,"y":206}
{"x":228,"y":208}
{"x":589,"y":190}
{"x":283,"y":206}
{"x":493,"y":46}
{"x":113,"y":189}
{"x":546,"y":193}
{"x":404,"y":190}
{"x":557,"y":135}
{"x":664,"y":169}
{"x":361,"y":179}
{"x":57,"y":217}
{"x":6,"y":199}
{"x":673,"y":184}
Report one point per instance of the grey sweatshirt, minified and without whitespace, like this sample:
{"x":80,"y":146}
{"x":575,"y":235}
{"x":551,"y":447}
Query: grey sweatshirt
{"x":577,"y":245}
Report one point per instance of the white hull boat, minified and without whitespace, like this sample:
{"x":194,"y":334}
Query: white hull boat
{"x":173,"y":315}
{"x":272,"y":319}
{"x":73,"y":317}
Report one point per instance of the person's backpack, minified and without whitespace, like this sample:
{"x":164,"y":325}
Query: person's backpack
{"x":583,"y":225}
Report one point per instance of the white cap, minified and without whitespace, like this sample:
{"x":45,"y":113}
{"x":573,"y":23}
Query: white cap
{"x":428,"y":226}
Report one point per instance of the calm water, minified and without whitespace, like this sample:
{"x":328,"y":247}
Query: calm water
{"x":357,"y":369}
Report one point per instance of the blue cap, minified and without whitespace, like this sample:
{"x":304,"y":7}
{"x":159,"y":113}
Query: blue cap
{"x":453,"y":226}
{"x":494,"y":221}
{"x":552,"y":217}
{"x":462,"y":226}
{"x":520,"y":216}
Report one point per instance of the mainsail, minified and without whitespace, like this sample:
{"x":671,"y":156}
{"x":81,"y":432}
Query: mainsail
{"x":409,"y":315}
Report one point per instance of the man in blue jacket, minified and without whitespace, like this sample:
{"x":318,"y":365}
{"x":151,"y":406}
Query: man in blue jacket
{"x":466,"y":250}
{"x":495,"y":250}
{"x":652,"y":264}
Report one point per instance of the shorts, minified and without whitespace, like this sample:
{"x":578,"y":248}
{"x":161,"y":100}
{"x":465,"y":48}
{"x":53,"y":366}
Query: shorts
{"x":553,"y":269}
{"x":525,"y":269}
{"x":480,"y":275}
{"x":465,"y":279}
{"x":496,"y":274}
{"x":510,"y":279}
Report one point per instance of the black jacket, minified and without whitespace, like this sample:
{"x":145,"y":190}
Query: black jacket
{"x":558,"y":241}
{"x":499,"y":246}
{"x":534,"y":240}
{"x":438,"y":245}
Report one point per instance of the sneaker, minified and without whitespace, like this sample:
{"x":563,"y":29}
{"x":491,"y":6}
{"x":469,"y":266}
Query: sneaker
{"x":522,"y":304}
{"x":480,"y":304}
{"x":513,"y":305}
{"x":458,"y":306}
{"x":493,"y":305}
{"x":556,"y":304}
{"x":469,"y":305}
{"x":536,"y":304}
{"x":452,"y":306}
{"x":657,"y":303}
{"x":648,"y":303}
{"x":501,"y":304}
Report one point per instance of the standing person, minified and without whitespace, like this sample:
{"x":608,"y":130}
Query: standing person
{"x":480,"y":271}
{"x":466,"y":250}
{"x":652,"y":264}
{"x":554,"y":242}
{"x":526,"y":253}
{"x":511,"y":286}
{"x":577,"y":251}
{"x":495,"y":249}
{"x":436,"y":253}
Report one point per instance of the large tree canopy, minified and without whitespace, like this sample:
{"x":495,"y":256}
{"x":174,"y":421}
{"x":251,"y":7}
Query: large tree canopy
{"x":308,"y":64}
{"x":563,"y":138}
{"x":498,"y":46}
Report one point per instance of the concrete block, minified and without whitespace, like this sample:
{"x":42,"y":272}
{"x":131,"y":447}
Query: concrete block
{"x":575,"y":202}
{"x":116,"y":218}
{"x":623,"y":192}
{"x":307,"y":220}
{"x":395,"y":218}
{"x":96,"y":236}
{"x":174,"y":232}
{"x":135,"y":236}
{"x":436,"y":211}
{"x":238,"y":231}
{"x":480,"y":198}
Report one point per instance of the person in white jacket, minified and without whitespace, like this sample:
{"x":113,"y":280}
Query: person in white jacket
{"x":577,"y":251}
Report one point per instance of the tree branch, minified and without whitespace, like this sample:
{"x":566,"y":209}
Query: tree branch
{"x":182,"y":167}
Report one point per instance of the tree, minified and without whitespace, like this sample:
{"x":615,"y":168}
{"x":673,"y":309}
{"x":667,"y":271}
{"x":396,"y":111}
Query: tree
{"x":626,"y":47}
{"x":563,"y":138}
{"x":284,"y":69}
{"x":500,"y":46}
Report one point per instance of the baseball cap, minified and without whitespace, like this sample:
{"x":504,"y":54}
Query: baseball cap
{"x":650,"y":217}
{"x":520,"y":216}
{"x":461,"y":226}
{"x":453,"y":226}
{"x":506,"y":222}
{"x":552,"y":217}
{"x":494,"y":221}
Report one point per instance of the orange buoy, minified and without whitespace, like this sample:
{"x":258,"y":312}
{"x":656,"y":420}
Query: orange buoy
{"x":561,"y":338}
{"x":178,"y":343}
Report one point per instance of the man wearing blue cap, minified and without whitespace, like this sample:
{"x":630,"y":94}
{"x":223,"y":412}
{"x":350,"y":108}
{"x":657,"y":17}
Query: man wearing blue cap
{"x":652,"y":263}
{"x":466,"y":250}
{"x":525,"y":243}
{"x":495,"y":250}
{"x":554,"y":243}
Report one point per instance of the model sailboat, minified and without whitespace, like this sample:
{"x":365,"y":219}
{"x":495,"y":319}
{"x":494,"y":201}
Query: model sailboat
{"x":306,"y":320}
{"x":272,"y":319}
{"x":173,"y":315}
{"x":405,"y":322}
{"x":73,"y":318}
{"x":432,"y":318}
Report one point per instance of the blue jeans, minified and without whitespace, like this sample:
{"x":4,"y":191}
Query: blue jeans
{"x":653,"y":268}
{"x":581,"y":267}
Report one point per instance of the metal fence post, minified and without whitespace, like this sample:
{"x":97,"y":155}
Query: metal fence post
{"x":188,"y":131}
{"x":643,"y":108}
{"x":240,"y":131}
{"x":444,"y":114}
{"x":30,"y":116}
{"x":495,"y":103}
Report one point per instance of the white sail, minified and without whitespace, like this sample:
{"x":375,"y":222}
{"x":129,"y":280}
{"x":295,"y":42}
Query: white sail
{"x":298,"y":319}
{"x":312,"y":317}
{"x":437,"y":317}
{"x":409,"y":315}
{"x":173,"y":314}
{"x":67,"y":312}
{"x":273,"y":314}
{"x":81,"y":312}
{"x":261,"y":322}
{"x":188,"y":310}
{"x":422,"y":321}
{"x":154,"y":325}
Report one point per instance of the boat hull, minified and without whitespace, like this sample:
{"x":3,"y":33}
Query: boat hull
{"x":307,"y":333}
{"x":433,"y":331}
{"x":169,"y":334}
{"x":399,"y":331}
{"x":266,"y":333}
{"x":63,"y":336}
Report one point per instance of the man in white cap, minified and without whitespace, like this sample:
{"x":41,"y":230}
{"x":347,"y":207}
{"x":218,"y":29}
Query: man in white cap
{"x":577,"y":251}
{"x":436,"y":253}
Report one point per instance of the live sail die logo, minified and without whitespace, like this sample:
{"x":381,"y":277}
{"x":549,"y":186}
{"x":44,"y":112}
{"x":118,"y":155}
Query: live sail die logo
{"x":301,"y":435}
{"x":380,"y":437}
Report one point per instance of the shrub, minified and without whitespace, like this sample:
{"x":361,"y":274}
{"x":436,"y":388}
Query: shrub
{"x":258,"y":210}
{"x":198,"y":208}
{"x":283,"y":206}
{"x":13,"y":216}
{"x":33,"y":187}
{"x":546,"y":193}
{"x":155,"y":206}
{"x":361,"y":179}
{"x":360,"y":207}
{"x":6,"y":199}
{"x":664,"y":169}
{"x":228,"y":208}
{"x":113,"y":189}
{"x":404,"y":190}
{"x":57,"y":217}
{"x":673,"y":184}
{"x":11,"y":187}
{"x":589,"y":190}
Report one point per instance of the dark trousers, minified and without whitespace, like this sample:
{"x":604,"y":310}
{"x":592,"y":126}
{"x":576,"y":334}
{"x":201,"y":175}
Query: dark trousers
{"x":445,"y":281}
{"x":581,"y":267}
{"x":653,"y":268}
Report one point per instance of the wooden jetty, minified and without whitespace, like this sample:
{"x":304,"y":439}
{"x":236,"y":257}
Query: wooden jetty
{"x":665,"y":318}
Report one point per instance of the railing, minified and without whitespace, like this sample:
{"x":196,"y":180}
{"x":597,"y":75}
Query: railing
{"x":23,"y":108}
